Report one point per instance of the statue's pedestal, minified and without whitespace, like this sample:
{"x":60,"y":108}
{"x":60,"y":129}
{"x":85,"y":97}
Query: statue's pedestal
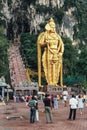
{"x":54,"y":89}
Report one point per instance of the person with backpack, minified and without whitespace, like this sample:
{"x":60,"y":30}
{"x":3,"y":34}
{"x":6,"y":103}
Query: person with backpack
{"x":32,"y":105}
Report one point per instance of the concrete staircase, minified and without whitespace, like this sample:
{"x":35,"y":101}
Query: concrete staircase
{"x":16,"y":66}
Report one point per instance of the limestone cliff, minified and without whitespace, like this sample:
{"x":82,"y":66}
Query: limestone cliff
{"x":19,"y":16}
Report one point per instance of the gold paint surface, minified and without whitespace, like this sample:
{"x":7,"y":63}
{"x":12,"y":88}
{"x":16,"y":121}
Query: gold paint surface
{"x":52,"y":56}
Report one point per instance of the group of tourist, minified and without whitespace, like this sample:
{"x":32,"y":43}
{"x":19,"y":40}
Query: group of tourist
{"x":51,"y":102}
{"x":76,"y":102}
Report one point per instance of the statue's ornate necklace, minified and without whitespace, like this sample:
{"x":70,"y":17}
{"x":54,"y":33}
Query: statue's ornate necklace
{"x":53,"y":36}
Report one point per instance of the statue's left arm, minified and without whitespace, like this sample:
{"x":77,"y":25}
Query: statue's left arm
{"x":61,"y":45}
{"x":61,"y":53}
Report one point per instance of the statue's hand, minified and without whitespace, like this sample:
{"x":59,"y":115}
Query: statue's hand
{"x":60,"y":53}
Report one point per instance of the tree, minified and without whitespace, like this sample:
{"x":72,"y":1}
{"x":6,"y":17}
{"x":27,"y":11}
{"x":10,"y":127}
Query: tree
{"x":29,"y":50}
{"x":69,"y":57}
{"x":82,"y":63}
{"x":84,"y":85}
{"x":3,"y":54}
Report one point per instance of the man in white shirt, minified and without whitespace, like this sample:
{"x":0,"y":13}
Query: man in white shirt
{"x":73,"y":106}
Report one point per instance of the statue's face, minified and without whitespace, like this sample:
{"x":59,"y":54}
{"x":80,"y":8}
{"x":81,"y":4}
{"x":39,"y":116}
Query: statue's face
{"x":52,"y":26}
{"x":52,"y":29}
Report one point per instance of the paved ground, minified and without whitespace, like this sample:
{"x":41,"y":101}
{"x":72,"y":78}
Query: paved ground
{"x":60,"y":118}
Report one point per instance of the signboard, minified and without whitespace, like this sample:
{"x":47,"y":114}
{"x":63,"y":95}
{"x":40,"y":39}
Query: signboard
{"x":54,"y":89}
{"x":31,"y":86}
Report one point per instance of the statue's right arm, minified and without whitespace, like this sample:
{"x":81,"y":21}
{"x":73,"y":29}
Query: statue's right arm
{"x":40,"y":43}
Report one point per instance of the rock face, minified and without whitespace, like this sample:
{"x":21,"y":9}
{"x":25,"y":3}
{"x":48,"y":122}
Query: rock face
{"x":68,"y":23}
{"x":54,"y":3}
{"x":20,"y":16}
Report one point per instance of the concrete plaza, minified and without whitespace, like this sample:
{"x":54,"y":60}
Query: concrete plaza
{"x":19,"y":120}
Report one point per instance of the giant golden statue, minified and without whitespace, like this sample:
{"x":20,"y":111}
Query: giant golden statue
{"x":52,"y":55}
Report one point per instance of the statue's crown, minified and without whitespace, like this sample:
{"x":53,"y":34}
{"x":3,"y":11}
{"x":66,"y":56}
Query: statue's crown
{"x":51,"y":20}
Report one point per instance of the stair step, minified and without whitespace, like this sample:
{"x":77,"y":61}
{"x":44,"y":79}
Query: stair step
{"x":17,"y":69}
